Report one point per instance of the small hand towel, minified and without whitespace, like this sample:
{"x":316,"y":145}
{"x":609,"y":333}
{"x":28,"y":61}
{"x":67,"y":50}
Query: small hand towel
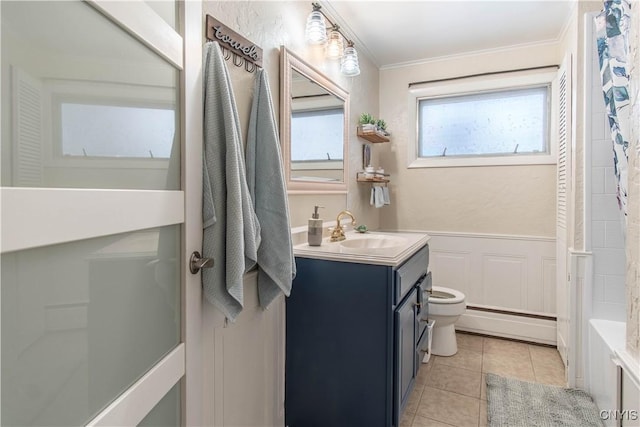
{"x":265,"y":175}
{"x":385,"y":195}
{"x":231,"y":233}
{"x":372,"y":198}
{"x":379,"y":197}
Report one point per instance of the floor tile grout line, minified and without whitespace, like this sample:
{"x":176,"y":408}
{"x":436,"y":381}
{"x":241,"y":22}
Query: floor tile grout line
{"x":533,"y":366}
{"x":482,"y":377}
{"x":453,"y":392}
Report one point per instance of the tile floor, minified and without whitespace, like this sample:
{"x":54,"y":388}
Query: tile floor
{"x":451,"y":391}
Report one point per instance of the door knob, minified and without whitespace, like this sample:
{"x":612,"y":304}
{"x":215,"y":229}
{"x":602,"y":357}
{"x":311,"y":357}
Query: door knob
{"x":196,"y":262}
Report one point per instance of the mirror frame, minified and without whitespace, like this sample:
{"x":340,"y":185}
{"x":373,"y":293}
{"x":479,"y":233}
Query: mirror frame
{"x":288,"y":63}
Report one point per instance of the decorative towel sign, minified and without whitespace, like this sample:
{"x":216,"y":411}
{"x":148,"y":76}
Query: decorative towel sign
{"x":612,"y":31}
{"x":232,"y":41}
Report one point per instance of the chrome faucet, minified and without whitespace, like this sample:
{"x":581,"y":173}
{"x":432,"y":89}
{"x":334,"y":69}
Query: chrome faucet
{"x":338,"y":233}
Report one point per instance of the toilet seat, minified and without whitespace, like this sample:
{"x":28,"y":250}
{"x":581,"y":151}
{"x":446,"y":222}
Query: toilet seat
{"x":441,"y":295}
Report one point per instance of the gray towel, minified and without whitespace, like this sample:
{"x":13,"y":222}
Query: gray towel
{"x":276,"y":264}
{"x":231,"y":229}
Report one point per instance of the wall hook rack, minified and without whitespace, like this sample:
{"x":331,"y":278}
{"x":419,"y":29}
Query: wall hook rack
{"x":226,"y":53}
{"x":244,"y":52}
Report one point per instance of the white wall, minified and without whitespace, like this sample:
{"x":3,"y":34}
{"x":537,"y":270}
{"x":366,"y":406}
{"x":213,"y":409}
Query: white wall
{"x":605,"y":230}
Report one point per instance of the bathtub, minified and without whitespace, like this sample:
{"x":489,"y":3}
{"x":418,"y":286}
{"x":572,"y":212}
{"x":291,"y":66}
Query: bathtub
{"x":613,"y":376}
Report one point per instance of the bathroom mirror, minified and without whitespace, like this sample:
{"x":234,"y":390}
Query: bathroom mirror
{"x":313,"y":126}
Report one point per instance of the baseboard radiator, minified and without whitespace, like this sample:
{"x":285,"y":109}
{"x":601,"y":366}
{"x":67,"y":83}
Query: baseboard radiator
{"x":508,"y":324}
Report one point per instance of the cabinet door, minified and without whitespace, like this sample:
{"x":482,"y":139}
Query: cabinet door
{"x":406,"y":326}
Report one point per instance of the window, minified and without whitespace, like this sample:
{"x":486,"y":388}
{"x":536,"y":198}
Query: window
{"x":321,"y":132}
{"x":489,"y":122}
{"x":112,"y":125}
{"x":94,"y":130}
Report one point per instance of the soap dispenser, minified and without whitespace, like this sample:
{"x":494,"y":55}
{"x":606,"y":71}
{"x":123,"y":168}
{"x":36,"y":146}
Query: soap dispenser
{"x":314,"y":231}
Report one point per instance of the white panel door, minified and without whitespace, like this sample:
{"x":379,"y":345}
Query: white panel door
{"x":564,"y":173}
{"x":100,"y":210}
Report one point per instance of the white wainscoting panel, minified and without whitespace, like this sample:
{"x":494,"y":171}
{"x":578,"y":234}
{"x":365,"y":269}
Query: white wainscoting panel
{"x":515,"y":275}
{"x":243,"y":363}
{"x":548,"y":296}
{"x":457,"y":266}
{"x":504,"y":281}
{"x":507,"y":272}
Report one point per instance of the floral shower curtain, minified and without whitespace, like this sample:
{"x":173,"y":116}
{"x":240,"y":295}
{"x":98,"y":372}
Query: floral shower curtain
{"x":612,"y":32}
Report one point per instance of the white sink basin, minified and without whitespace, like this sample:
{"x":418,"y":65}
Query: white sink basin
{"x":372,"y":244}
{"x":374,"y":247}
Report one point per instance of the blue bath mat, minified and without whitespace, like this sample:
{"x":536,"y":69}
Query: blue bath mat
{"x":515,"y":403}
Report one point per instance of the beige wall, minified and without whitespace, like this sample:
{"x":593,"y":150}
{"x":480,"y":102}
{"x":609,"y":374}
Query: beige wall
{"x":270,"y":25}
{"x":517,"y":200}
{"x":633,"y":213}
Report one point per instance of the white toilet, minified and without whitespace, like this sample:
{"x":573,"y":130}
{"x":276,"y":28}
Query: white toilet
{"x":445,"y":307}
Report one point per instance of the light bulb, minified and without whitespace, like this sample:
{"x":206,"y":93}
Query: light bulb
{"x":316,"y":32}
{"x":349,"y":65}
{"x":334,"y":45}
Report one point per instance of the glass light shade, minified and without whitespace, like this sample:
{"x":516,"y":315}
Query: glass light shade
{"x":349,"y":65}
{"x":334,"y":45}
{"x":316,"y":32}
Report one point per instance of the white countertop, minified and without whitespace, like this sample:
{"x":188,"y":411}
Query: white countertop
{"x":409,"y":243}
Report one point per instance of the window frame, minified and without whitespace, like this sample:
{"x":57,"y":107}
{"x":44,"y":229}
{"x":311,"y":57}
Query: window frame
{"x":475,"y":85}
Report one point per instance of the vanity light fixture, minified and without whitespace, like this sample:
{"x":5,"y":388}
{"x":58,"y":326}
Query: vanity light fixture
{"x":335,"y":46}
{"x":349,"y":63}
{"x":316,"y":33}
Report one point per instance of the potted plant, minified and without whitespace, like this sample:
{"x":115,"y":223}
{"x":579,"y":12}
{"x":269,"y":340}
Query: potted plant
{"x":367,"y":122}
{"x":381,"y":126}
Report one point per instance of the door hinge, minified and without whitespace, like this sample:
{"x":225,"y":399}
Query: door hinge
{"x":568,"y":277}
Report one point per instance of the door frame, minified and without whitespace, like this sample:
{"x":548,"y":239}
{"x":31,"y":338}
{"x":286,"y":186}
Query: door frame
{"x":192,"y":100}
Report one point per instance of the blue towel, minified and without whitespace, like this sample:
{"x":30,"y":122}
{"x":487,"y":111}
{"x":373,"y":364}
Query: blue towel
{"x":276,"y":264}
{"x":231,"y":230}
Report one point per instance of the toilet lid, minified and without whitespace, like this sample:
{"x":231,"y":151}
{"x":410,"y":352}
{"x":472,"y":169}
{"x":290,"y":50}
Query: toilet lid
{"x":440,"y":295}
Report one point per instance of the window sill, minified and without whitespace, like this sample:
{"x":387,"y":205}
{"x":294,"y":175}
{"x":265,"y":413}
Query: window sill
{"x":450,"y":162}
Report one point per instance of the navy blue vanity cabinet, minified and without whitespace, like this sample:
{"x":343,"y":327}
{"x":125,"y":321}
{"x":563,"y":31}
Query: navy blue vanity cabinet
{"x":406,"y":329}
{"x":351,"y":340}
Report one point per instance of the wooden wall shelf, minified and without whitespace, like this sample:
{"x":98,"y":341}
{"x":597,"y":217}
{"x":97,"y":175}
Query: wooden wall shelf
{"x":379,"y":180}
{"x":372,"y":135}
